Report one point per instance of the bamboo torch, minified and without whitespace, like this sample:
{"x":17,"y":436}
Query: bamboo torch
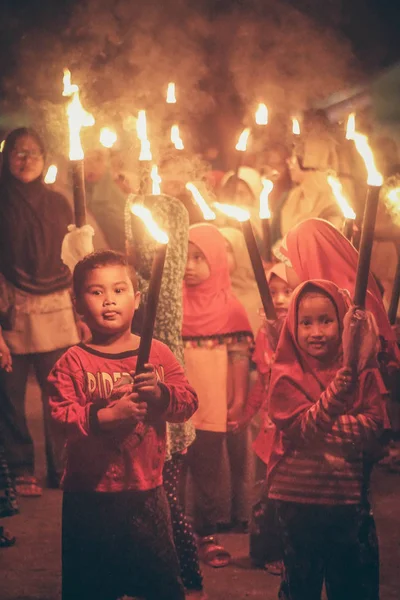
{"x":374,"y":182}
{"x":154,"y":286}
{"x":78,"y":117}
{"x":265,"y":216}
{"x":145,"y":156}
{"x":348,"y":213}
{"x":243,"y":216}
{"x":208,"y":214}
{"x":393,"y":200}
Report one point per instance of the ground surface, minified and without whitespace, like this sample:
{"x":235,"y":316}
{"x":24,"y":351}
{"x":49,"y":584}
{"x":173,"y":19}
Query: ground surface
{"x":31,"y":569}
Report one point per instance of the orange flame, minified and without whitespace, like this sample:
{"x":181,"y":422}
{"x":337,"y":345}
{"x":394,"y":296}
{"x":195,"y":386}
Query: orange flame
{"x":108,"y":137}
{"x":78,"y":117}
{"x":361,"y":142}
{"x":295,"y":126}
{"x":337,"y":190}
{"x":262,"y":114}
{"x":268,"y":186}
{"x":176,"y":137}
{"x":351,"y":126}
{"x":235,"y":212}
{"x":241,"y":146}
{"x":171,"y":97}
{"x":143,"y":213}
{"x":156,"y":181}
{"x":208,"y":214}
{"x":141,"y":129}
{"x":51,"y":174}
{"x":393,"y":198}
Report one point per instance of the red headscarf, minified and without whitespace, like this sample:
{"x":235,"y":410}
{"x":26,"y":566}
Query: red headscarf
{"x":210,"y":308}
{"x":305,"y":374}
{"x":317,"y":250}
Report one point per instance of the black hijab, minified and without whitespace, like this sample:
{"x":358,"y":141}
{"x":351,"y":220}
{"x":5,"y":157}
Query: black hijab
{"x":33,"y":223}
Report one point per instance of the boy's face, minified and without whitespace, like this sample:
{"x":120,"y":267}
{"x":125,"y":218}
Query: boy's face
{"x":318,"y":327}
{"x":281,"y":293}
{"x":108,"y":300}
{"x":197,"y":268}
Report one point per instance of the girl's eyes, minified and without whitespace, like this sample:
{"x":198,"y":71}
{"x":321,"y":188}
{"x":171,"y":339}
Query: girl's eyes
{"x":305,"y":323}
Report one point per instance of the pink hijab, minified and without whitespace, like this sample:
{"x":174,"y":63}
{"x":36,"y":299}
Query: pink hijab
{"x":210,"y":308}
{"x":315,"y":249}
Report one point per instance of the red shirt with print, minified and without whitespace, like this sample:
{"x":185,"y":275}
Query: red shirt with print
{"x":129,"y":457}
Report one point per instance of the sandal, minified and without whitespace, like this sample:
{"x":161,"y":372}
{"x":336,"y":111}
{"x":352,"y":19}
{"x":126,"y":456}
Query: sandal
{"x":6,"y":539}
{"x":212,"y":554}
{"x":28,"y":487}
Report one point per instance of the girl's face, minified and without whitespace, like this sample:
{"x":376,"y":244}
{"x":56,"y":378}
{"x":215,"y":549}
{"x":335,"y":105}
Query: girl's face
{"x":197,"y":267}
{"x":318,"y":331}
{"x":231,"y":257}
{"x":281,"y":294}
{"x":26,"y":159}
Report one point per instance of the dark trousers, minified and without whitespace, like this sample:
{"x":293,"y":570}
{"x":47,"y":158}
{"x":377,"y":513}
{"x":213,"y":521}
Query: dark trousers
{"x":184,"y":540}
{"x":204,"y":460}
{"x":17,"y":440}
{"x":116,"y":544}
{"x":241,"y":474}
{"x":335,"y":544}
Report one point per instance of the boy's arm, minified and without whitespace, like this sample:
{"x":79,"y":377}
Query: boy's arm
{"x":179,"y":400}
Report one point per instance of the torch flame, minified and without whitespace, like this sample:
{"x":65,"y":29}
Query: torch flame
{"x":171,"y":98}
{"x":156,"y":181}
{"x":268,"y":186}
{"x":51,"y":174}
{"x":145,"y":151}
{"x":176,"y":138}
{"x":295,"y":126}
{"x":143,"y":213}
{"x":108,"y":137}
{"x":351,"y":126}
{"x":337,"y":190}
{"x":141,"y":129}
{"x":364,"y":149}
{"x":208,"y":214}
{"x":241,"y":214}
{"x":262,"y":114}
{"x":241,"y":146}
{"x":394,"y":201}
{"x":78,"y":117}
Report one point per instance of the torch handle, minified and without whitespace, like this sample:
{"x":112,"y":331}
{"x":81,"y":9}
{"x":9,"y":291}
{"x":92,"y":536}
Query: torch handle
{"x":259,"y":272}
{"x":151,"y":307}
{"x":367,"y":239}
{"x":394,"y":300}
{"x":78,"y":187}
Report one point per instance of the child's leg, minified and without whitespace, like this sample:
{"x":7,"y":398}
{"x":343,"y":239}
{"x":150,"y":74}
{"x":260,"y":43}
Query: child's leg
{"x":352,"y":564}
{"x":242,"y":475}
{"x":204,"y":460}
{"x":185,"y":543}
{"x":150,"y":564}
{"x":302,"y":539}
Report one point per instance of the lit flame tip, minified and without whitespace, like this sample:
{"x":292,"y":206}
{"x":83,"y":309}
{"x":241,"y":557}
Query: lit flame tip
{"x":262,"y":114}
{"x":176,"y":138}
{"x":268,"y":186}
{"x":143,"y":213}
{"x":337,"y":190}
{"x":171,"y":97}
{"x":108,"y":137}
{"x":78,"y":117}
{"x":51,"y":174}
{"x":361,"y":142}
{"x":156,"y":181}
{"x":295,"y":126}
{"x":351,"y":126}
{"x":208,"y":214}
{"x":235,"y":212}
{"x":241,"y":146}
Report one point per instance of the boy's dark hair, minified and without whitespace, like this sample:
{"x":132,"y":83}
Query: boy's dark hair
{"x":95,"y":260}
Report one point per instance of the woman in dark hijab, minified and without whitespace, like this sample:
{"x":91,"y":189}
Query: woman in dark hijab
{"x":37,"y":321}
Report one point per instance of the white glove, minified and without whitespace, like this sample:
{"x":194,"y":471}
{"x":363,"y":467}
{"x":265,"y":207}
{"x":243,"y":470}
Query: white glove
{"x":77,"y":243}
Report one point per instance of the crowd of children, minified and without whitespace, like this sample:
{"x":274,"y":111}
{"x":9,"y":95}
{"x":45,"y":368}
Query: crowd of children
{"x":222,"y":386}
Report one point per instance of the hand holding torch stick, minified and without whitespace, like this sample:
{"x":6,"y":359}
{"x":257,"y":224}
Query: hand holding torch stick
{"x":243,"y":216}
{"x":154,"y":286}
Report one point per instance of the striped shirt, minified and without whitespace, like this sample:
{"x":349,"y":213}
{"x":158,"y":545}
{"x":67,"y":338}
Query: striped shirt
{"x":325,"y":464}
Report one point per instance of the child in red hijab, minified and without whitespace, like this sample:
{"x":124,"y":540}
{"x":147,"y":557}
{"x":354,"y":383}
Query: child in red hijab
{"x":326,"y":427}
{"x":217,"y":336}
{"x":315,"y":249}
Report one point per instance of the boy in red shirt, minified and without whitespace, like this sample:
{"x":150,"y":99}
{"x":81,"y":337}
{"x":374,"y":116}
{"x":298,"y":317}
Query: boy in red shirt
{"x":116,"y":532}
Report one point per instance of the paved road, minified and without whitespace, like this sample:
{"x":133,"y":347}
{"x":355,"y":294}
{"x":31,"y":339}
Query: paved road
{"x":31,"y":569}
